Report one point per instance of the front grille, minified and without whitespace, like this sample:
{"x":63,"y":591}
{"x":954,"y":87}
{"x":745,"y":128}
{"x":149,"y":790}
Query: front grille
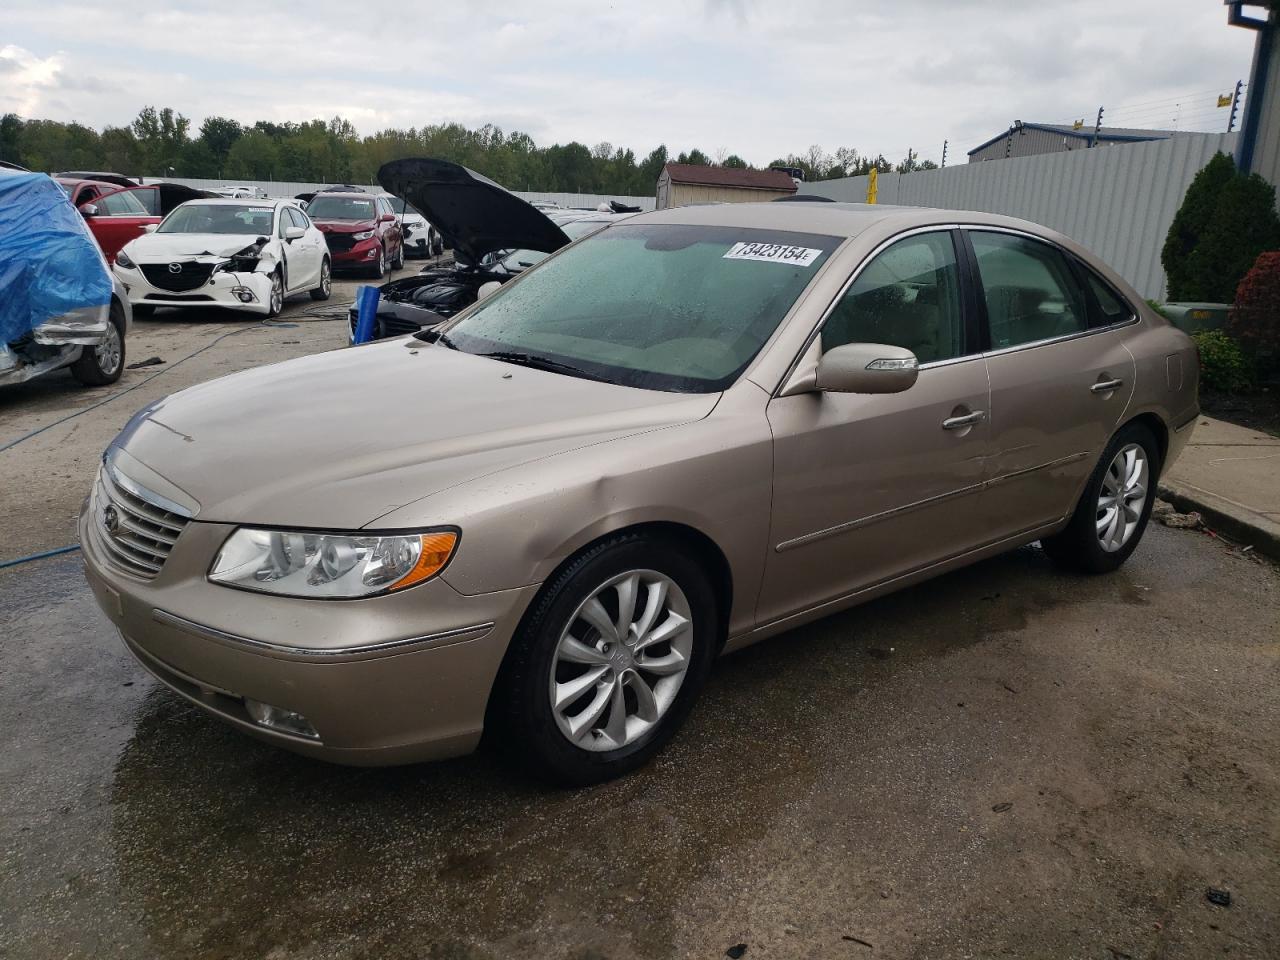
{"x":181,"y":298}
{"x":339,"y":242}
{"x":137,"y":534}
{"x":188,"y":276}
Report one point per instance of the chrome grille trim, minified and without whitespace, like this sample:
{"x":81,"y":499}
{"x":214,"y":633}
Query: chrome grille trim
{"x":146,"y":530}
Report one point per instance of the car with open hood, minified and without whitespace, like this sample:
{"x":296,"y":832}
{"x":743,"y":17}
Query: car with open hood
{"x":246,"y":255}
{"x":361,"y":230}
{"x":496,"y":236}
{"x":59,"y":307}
{"x":704,"y":426}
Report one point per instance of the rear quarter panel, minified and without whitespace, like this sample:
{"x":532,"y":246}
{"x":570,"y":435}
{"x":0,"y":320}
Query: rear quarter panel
{"x":1168,"y":378}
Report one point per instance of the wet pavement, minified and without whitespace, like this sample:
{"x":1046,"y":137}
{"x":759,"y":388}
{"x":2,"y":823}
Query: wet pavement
{"x":1004,"y":762}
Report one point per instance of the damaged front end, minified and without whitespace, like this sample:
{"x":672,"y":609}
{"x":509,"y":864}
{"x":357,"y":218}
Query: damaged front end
{"x":246,"y":261}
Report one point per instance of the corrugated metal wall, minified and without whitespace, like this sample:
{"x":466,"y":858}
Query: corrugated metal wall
{"x":1266,"y":149}
{"x":283,"y":188}
{"x":1117,"y":202}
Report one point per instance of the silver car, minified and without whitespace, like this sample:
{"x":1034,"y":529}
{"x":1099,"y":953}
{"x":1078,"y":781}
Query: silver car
{"x":696,"y":429}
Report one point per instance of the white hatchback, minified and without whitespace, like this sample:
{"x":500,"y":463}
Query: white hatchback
{"x":242,"y":254}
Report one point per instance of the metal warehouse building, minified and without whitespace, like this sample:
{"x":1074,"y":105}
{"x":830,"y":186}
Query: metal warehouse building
{"x":1026,"y":139}
{"x":681,"y":184}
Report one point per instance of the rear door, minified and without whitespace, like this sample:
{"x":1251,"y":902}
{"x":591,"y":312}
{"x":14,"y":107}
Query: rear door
{"x":1061,"y":377}
{"x":120,"y":217}
{"x":870,"y":487}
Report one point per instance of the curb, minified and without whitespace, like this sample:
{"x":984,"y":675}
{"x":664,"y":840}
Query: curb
{"x":1226,"y":516}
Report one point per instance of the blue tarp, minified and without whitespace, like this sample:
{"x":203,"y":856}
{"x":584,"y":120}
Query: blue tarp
{"x":50,"y":264}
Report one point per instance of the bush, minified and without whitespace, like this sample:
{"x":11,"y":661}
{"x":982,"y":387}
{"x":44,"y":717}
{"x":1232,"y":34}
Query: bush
{"x":1226,"y":220}
{"x":1255,"y":315}
{"x":1223,"y":366}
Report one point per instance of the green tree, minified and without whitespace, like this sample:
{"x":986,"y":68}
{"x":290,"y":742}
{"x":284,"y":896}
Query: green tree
{"x":218,"y":134}
{"x":735,"y":162}
{"x":252,"y":157}
{"x":695,"y":156}
{"x":1242,"y":226}
{"x":1190,"y":222}
{"x":161,"y":136}
{"x":11,"y":138}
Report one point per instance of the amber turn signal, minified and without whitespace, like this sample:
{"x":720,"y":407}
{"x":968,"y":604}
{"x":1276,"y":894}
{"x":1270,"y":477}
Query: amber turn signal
{"x":437,"y":548}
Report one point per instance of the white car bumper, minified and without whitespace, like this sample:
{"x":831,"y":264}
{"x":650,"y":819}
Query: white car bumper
{"x":247,"y":291}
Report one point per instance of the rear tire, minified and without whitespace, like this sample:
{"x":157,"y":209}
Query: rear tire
{"x":1109,"y":520}
{"x":651,"y":678}
{"x":100,"y":366}
{"x":323,"y":291}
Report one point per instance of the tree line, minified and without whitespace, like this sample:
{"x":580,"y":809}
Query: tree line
{"x":161,"y":143}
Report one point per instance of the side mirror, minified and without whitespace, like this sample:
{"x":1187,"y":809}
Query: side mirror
{"x":89,"y":209}
{"x":486,"y":289}
{"x":867,"y":368}
{"x":388,"y":218}
{"x":294,"y":233}
{"x":150,"y":227}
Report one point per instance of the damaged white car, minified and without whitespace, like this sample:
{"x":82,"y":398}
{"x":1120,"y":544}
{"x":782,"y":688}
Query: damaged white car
{"x":242,"y":254}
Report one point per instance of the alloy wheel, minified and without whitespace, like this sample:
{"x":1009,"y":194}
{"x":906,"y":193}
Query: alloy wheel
{"x":326,"y":278}
{"x":1122,"y":497}
{"x":277,"y":294}
{"x":621,"y":660}
{"x":108,"y":353}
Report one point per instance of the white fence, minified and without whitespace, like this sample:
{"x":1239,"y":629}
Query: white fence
{"x":1117,"y":202}
{"x":285,"y":188}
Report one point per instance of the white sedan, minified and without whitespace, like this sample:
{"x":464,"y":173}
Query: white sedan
{"x":242,"y":254}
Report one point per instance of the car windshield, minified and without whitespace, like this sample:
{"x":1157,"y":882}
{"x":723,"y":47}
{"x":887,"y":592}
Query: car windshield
{"x":233,"y":218}
{"x":330,"y":207}
{"x":517,"y":260}
{"x":658,"y":306}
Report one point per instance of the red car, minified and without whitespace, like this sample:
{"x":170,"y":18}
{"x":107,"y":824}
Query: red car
{"x":117,"y":214}
{"x":362,"y":231}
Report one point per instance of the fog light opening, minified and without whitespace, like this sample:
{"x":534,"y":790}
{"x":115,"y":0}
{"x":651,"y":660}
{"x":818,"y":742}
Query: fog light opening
{"x":280,"y":719}
{"x":244,"y":294}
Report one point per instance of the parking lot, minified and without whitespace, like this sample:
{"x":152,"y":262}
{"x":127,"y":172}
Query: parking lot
{"x":1006,"y":761}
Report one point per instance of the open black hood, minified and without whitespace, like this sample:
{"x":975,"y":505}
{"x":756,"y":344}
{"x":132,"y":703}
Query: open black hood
{"x":174,"y":194}
{"x":474,"y":213}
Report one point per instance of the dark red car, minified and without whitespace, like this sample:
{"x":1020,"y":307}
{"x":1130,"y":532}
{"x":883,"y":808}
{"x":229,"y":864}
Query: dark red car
{"x":117,"y":214}
{"x":362,"y":231}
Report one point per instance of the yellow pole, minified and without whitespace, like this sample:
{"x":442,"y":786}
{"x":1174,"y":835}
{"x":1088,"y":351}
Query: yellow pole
{"x":871,"y":185}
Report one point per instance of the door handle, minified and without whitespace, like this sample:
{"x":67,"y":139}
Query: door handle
{"x":968,"y":420}
{"x":1105,"y":386}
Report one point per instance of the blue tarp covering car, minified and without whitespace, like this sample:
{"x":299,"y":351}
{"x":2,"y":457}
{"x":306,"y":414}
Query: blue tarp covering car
{"x":56,"y":295}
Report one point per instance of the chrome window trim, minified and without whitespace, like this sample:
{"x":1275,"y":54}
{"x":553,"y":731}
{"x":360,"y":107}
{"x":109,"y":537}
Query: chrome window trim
{"x":213,"y":633}
{"x":853,"y":278}
{"x":1134,"y":316}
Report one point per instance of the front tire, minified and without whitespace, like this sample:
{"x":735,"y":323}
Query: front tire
{"x":275,"y":299}
{"x":378,"y":269}
{"x":398,"y":262}
{"x":609,"y":661}
{"x":102,"y":365}
{"x":323,"y":291}
{"x":1113,"y":511}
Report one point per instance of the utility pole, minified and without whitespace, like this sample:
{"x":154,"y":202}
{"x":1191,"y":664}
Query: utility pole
{"x":944,"y":154}
{"x":1235,"y":106}
{"x":1093,"y":141}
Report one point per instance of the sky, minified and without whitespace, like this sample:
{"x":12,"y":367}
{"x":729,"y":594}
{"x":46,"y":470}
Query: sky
{"x":759,"y":78}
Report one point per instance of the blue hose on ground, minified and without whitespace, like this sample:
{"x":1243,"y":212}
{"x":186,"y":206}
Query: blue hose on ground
{"x":39,"y":556}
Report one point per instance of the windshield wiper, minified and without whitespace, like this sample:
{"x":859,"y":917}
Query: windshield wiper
{"x":540,"y":363}
{"x":432,"y":335}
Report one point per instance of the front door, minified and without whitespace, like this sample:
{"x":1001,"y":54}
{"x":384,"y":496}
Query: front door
{"x":1061,"y":379}
{"x":870,"y":487}
{"x":120,"y":218}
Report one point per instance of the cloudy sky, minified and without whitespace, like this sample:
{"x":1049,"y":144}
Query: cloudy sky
{"x":757,"y":77}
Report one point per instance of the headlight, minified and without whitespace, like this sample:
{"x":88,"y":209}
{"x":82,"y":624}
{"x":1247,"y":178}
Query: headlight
{"x":362,"y":235}
{"x":123,"y":260}
{"x":329,"y":566}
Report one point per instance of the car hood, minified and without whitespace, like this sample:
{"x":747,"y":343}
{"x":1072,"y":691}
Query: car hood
{"x":159,"y":247}
{"x":476,"y":214}
{"x":338,"y":439}
{"x":344,"y":226}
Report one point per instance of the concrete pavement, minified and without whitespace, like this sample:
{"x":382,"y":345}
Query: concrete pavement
{"x":1231,"y":476}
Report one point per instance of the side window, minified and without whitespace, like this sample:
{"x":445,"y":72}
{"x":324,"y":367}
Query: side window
{"x":123,"y":204}
{"x":150,"y":199}
{"x":298,"y":217}
{"x":87,"y":195}
{"x":1030,"y":291}
{"x":908,"y":296}
{"x":283,"y":221}
{"x":1111,"y":308}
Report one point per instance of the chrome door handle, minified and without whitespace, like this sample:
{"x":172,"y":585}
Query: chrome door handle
{"x":968,"y":420}
{"x":1106,"y":385}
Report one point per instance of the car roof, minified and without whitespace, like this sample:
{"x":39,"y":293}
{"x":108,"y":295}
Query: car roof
{"x":76,"y":181}
{"x":830,"y":219}
{"x":242,"y":201}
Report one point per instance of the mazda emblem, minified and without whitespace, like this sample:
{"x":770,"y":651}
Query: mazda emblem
{"x":111,"y":520}
{"x":175,"y":268}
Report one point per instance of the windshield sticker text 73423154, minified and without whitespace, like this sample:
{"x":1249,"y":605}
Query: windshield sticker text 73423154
{"x":773,"y":253}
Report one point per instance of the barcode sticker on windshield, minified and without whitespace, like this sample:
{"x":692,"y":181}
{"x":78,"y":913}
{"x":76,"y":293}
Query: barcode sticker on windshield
{"x":773,"y":253}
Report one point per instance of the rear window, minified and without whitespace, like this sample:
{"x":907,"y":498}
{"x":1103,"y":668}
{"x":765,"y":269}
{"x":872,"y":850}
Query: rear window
{"x":330,"y":207}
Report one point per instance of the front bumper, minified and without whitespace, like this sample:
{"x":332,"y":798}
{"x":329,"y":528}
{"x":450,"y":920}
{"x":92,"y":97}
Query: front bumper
{"x":363,"y":253}
{"x":387,"y":680}
{"x":224,"y":289}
